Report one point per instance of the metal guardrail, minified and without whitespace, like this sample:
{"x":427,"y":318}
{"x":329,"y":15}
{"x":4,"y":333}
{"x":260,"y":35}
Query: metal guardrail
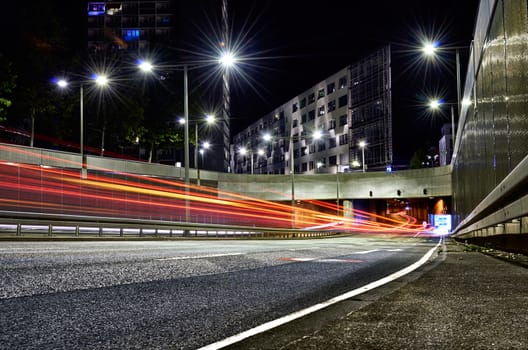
{"x":15,"y":225}
{"x":503,"y":211}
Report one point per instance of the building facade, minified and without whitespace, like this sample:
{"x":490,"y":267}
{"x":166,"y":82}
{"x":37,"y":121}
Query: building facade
{"x":128,"y":24}
{"x":351,"y":106}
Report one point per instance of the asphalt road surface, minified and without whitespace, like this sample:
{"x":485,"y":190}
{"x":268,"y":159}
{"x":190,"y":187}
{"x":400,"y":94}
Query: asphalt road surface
{"x":177,"y":294}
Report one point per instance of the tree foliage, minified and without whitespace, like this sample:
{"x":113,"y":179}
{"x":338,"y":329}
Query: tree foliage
{"x":7,"y":85}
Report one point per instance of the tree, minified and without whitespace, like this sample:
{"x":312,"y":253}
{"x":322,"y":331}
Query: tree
{"x":7,"y":85}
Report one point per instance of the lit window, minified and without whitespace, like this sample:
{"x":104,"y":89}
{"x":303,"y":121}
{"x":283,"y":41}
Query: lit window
{"x":321,"y":111}
{"x":320,"y":93}
{"x":342,"y":82}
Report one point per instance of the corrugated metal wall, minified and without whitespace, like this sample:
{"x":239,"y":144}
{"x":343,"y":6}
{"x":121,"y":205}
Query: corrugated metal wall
{"x":494,"y":137}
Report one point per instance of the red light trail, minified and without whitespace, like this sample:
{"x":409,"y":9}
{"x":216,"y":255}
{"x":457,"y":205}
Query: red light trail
{"x":105,"y":193}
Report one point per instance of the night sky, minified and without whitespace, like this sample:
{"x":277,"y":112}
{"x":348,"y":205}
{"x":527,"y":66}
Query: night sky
{"x":295,"y":44}
{"x":290,"y":45}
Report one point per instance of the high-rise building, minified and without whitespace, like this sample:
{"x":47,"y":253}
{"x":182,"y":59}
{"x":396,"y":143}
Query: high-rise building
{"x":128,"y":24}
{"x":349,"y":108}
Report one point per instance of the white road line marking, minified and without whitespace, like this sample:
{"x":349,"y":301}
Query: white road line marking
{"x":301,"y":313}
{"x":366,"y":251}
{"x":321,"y":260}
{"x":199,"y":256}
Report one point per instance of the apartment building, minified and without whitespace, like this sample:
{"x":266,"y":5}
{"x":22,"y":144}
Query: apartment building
{"x":128,"y":24}
{"x":350,"y":108}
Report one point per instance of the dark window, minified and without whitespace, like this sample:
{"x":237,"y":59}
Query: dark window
{"x":331,"y":106}
{"x":311,"y":114}
{"x":331,"y":142}
{"x":332,"y":160}
{"x":343,"y":139}
{"x":342,"y":101}
{"x":343,"y":120}
{"x":295,"y":123}
{"x":295,"y":107}
{"x":303,"y":102}
{"x":330,"y":88}
{"x":311,"y":98}
{"x":311,"y":166}
{"x":331,"y":124}
{"x":321,"y":146}
{"x":303,"y":118}
{"x":304,"y":167}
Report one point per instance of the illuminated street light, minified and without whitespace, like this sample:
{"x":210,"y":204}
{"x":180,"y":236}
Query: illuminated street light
{"x":362,"y":145}
{"x":436,"y":105}
{"x":100,"y":80}
{"x":145,"y":66}
{"x":316,"y":136}
{"x":244,"y":151}
{"x":227,"y":59}
{"x":208,"y":119}
{"x":430,"y":48}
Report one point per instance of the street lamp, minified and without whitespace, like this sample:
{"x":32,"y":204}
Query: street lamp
{"x":430,"y":49}
{"x":316,"y":136}
{"x":100,"y":80}
{"x":243,"y":151}
{"x":209,"y":119}
{"x":226,"y":60}
{"x":436,"y":104}
{"x":362,"y":144}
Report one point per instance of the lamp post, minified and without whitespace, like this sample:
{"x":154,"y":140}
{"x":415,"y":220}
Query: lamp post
{"x":100,"y":80}
{"x":243,"y":151}
{"x":226,"y":60}
{"x":316,"y":136}
{"x":436,"y":104}
{"x":362,"y":145}
{"x":430,"y":49}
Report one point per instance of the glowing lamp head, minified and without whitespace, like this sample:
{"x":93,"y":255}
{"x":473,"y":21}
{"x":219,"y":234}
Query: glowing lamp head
{"x":429,"y":49}
{"x":267,"y":137}
{"x":101,"y":80}
{"x":62,"y":83}
{"x":435,"y":104}
{"x":227,"y":59}
{"x":145,"y":66}
{"x":209,"y":119}
{"x":317,"y":135}
{"x":243,"y":151}
{"x":206,"y":145}
{"x":362,"y":144}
